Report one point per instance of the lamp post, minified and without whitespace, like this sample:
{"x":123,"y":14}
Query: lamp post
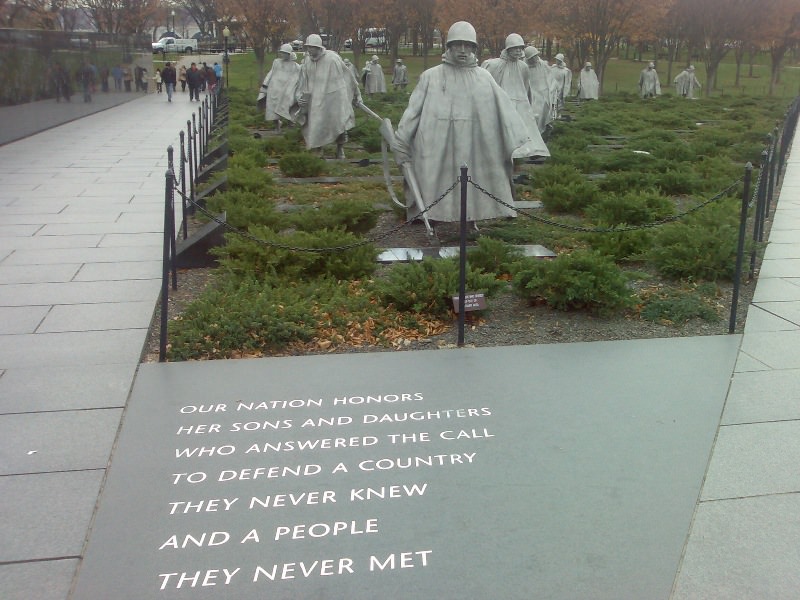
{"x":225,"y":58}
{"x":173,"y":20}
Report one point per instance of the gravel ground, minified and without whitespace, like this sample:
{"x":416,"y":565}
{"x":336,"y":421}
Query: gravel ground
{"x":509,"y":320}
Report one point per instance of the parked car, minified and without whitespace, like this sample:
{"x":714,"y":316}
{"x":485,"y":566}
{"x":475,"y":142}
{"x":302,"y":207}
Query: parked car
{"x":297,"y":45}
{"x":373,"y":42}
{"x":348,"y":43}
{"x":170,"y":44}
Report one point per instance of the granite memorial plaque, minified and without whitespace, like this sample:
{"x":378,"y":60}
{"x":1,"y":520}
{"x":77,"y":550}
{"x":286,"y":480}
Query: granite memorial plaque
{"x":563,"y":471}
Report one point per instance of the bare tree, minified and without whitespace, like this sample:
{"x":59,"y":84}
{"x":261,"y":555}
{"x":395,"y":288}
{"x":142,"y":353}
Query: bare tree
{"x":203,"y":12}
{"x":121,"y":16}
{"x":782,"y":30}
{"x":259,"y":22}
{"x":601,"y":24}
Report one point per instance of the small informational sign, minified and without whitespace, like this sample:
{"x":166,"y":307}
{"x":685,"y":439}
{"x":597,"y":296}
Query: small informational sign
{"x":472,"y":301}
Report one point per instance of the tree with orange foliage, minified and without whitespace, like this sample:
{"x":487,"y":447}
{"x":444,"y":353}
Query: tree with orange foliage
{"x":493,"y":20}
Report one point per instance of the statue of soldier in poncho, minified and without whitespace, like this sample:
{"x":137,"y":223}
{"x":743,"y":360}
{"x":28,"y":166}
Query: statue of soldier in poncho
{"x":277,"y":89}
{"x":374,"y":82}
{"x":686,"y":83}
{"x":649,"y":84}
{"x":400,"y":75}
{"x":561,"y":78}
{"x":512,"y":74}
{"x":351,"y":67}
{"x":540,"y":87}
{"x":324,"y":99}
{"x":458,"y":115}
{"x":588,"y":84}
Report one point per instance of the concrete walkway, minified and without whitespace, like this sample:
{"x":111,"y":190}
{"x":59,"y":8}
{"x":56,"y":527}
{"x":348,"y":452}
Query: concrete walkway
{"x":80,"y":244}
{"x":81,"y":221}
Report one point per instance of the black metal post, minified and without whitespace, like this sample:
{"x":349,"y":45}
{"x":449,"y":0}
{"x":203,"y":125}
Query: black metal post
{"x":201,"y":132}
{"x":758,"y":224}
{"x":462,"y":259}
{"x":737,"y":279}
{"x":772,"y":164}
{"x":194,"y":143}
{"x":225,"y":60}
{"x":162,"y":341}
{"x":183,"y":185}
{"x":192,"y":171}
{"x":207,"y":110}
{"x":171,"y":213}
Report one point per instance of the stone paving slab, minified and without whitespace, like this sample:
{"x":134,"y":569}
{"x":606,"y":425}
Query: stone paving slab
{"x":778,"y":349}
{"x":46,"y":516}
{"x":786,"y":311}
{"x":74,"y":292}
{"x":21,"y":319}
{"x":24,"y":390}
{"x":762,"y":319}
{"x":763,"y":396}
{"x":77,"y":349}
{"x":35,"y":256}
{"x":48,"y":580}
{"x":746,"y":363}
{"x":97,"y":316}
{"x":743,"y":549}
{"x":777,"y":289}
{"x":125,"y":270}
{"x":56,"y":441}
{"x":754,"y":460}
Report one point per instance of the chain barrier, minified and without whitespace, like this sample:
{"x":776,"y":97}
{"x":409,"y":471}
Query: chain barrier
{"x":365,"y":242}
{"x":658,"y":223}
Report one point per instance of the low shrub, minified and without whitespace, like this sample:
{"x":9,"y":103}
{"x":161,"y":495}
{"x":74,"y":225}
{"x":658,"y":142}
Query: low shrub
{"x":597,"y":126}
{"x":678,"y":151}
{"x":428,"y":286}
{"x":680,"y":306}
{"x":567,"y":139}
{"x":355,"y":216}
{"x":702,"y":248}
{"x":249,"y":158}
{"x":677,"y":182}
{"x":625,"y":181}
{"x":240,"y":318}
{"x":624,"y":245}
{"x":626,"y":160}
{"x":249,"y":180}
{"x":584,"y":162}
{"x":582,"y":280}
{"x":278,"y":146}
{"x":570,"y":198}
{"x":302,"y":164}
{"x":282,"y":255}
{"x":632,"y":208}
{"x":493,"y":256}
{"x":552,"y":174}
{"x":245,"y":209}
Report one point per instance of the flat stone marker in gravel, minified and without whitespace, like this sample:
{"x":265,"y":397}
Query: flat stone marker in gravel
{"x":561,"y":471}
